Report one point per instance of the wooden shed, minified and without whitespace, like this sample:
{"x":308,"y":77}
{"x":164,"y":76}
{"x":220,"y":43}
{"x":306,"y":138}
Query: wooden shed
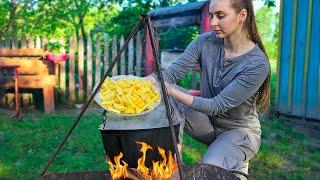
{"x":298,"y":83}
{"x":190,"y":14}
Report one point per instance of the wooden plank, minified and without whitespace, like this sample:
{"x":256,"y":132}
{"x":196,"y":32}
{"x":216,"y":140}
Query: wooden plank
{"x":139,"y":54}
{"x":285,"y":56}
{"x":27,"y":65}
{"x":106,"y":52}
{"x":22,"y":52}
{"x":8,"y":100}
{"x":48,"y":99}
{"x":279,"y":57}
{"x":179,"y":21}
{"x":114,"y":54}
{"x":29,"y":81}
{"x":149,"y":57}
{"x":292,"y":55}
{"x":38,"y":42}
{"x":122,"y":58}
{"x":31,"y":42}
{"x":306,"y":60}
{"x":14,"y":41}
{"x":1,"y":41}
{"x":8,"y":41}
{"x":98,"y":60}
{"x":81,"y":69}
{"x":89,"y":66}
{"x":44,"y":43}
{"x":130,"y":57}
{"x":71,"y":75}
{"x":313,"y":83}
{"x":299,"y":57}
{"x":24,"y":41}
{"x":62,"y":75}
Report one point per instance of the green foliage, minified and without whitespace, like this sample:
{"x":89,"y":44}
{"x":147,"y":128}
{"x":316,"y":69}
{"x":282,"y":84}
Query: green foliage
{"x":268,"y":29}
{"x":177,"y":38}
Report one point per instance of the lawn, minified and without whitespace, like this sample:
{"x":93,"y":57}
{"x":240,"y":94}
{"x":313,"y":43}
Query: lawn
{"x":26,"y":146}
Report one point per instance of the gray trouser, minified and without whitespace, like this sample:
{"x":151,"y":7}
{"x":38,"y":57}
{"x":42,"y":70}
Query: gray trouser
{"x":229,"y":149}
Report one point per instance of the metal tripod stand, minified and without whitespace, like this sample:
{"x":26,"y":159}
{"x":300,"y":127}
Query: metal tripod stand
{"x":144,"y":20}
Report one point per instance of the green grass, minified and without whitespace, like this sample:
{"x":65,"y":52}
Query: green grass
{"x":27,"y":146}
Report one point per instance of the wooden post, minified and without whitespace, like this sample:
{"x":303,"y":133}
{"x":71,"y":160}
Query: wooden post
{"x":62,"y":75}
{"x":130,"y":57}
{"x":14,"y":41}
{"x":48,"y":99}
{"x":8,"y":42}
{"x":106,"y":53}
{"x":139,"y":53}
{"x":205,"y":20}
{"x":44,"y":42}
{"x":98,"y":60}
{"x":89,"y":66}
{"x":24,"y":41}
{"x":38,"y":43}
{"x":1,"y":40}
{"x":114,"y":54}
{"x":149,"y":54}
{"x":122,"y":58}
{"x":81,"y":69}
{"x":72,"y":96}
{"x":31,"y":42}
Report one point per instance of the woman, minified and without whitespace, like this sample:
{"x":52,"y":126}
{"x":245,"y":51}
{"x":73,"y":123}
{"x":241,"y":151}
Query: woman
{"x":234,"y":86}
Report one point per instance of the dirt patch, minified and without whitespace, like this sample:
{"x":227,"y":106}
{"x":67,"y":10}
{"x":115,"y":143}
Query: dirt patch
{"x":309,"y":128}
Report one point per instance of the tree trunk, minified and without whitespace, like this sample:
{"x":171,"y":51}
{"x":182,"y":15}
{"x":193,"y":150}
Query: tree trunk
{"x":83,"y":31}
{"x":11,"y":23}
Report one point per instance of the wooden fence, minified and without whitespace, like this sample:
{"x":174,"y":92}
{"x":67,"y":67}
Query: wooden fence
{"x":87,"y":62}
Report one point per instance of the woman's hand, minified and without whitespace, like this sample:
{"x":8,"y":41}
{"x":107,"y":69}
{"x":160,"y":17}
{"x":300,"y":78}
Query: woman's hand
{"x":172,"y":92}
{"x":156,"y":83}
{"x":153,"y":80}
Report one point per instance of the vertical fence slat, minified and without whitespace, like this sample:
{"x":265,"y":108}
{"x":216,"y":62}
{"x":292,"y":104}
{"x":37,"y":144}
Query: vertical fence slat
{"x":130,"y":57}
{"x":106,"y":52}
{"x":45,"y":42}
{"x":72,"y":96}
{"x":89,"y":66}
{"x":81,"y":69}
{"x":24,"y":41}
{"x":8,"y":42}
{"x":98,"y":60}
{"x":31,"y":42}
{"x":1,"y":40}
{"x":38,"y":42}
{"x":14,"y":41}
{"x":62,"y":75}
{"x":114,"y":54}
{"x":139,"y":54}
{"x":122,"y":58}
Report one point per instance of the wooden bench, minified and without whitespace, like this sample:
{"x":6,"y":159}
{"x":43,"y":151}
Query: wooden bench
{"x":34,"y":73}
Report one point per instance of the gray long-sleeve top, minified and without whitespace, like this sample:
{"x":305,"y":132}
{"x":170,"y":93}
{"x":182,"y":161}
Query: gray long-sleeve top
{"x":228,"y":86}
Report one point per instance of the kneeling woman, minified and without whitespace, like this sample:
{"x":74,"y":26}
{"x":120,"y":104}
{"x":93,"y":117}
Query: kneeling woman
{"x":234,"y":86}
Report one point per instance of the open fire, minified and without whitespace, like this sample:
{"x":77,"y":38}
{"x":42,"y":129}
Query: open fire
{"x":160,"y":170}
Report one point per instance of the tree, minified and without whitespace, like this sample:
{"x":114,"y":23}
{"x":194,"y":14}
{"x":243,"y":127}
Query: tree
{"x":268,"y":30}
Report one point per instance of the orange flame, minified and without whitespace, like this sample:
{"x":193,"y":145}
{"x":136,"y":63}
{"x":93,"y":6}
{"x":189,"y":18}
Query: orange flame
{"x":120,"y":171}
{"x":160,"y":170}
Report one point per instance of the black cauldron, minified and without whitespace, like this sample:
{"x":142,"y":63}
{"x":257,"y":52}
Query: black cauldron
{"x":125,"y":141}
